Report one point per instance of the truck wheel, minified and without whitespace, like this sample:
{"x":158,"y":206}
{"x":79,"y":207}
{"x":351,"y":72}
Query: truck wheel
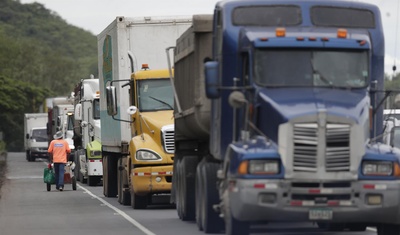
{"x":93,"y":180}
{"x":29,"y":156}
{"x":212,"y":222}
{"x":74,"y":183}
{"x":199,"y":195}
{"x":234,"y":226}
{"x":110,"y":188}
{"x":388,"y":229}
{"x":138,"y":202}
{"x":77,"y":169}
{"x":48,"y":187}
{"x":123,"y":194}
{"x":186,"y":187}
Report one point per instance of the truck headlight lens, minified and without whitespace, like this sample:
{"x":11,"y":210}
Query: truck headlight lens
{"x":144,"y":155}
{"x":257,"y":167}
{"x":377,"y":168}
{"x":269,"y":167}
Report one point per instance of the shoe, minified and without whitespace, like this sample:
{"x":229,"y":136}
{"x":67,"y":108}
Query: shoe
{"x":61,"y":188}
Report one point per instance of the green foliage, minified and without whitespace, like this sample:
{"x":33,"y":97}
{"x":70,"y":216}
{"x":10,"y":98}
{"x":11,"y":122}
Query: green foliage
{"x":41,"y":56}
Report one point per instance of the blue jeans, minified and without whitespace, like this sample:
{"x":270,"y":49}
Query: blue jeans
{"x":59,"y":173}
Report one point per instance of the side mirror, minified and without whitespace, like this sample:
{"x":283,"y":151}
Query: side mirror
{"x":78,"y":112}
{"x":27,"y":136}
{"x":111,"y":100}
{"x":211,"y":79}
{"x":58,"y":121}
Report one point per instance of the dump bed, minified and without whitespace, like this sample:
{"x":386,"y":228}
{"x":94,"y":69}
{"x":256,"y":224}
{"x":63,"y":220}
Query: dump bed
{"x":192,"y":48}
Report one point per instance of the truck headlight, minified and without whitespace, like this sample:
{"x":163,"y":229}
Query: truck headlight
{"x":259,"y":167}
{"x":144,"y":155}
{"x":378,"y":168}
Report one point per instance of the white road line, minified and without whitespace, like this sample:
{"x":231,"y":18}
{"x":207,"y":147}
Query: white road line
{"x":123,"y":214}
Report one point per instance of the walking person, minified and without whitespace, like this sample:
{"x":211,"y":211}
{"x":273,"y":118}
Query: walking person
{"x":58,"y":151}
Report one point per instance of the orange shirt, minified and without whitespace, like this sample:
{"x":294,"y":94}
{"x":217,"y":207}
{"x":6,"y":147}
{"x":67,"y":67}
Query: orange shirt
{"x":59,"y":148}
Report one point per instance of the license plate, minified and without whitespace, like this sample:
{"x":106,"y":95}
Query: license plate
{"x":320,"y":214}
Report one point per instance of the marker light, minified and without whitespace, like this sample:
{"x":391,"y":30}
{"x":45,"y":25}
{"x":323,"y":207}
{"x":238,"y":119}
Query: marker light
{"x":342,"y":33}
{"x":145,"y":66}
{"x":280,"y":32}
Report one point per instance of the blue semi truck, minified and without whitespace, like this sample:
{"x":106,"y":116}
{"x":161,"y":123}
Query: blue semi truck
{"x":277,"y":113}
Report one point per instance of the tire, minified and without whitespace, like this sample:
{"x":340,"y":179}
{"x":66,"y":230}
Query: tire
{"x":73,"y":180}
{"x":198,"y":195}
{"x":234,"y":226}
{"x":110,"y":187}
{"x":388,"y":229}
{"x":48,"y":186}
{"x":211,"y":221}
{"x":186,"y":188}
{"x":77,"y":169}
{"x":138,"y":202}
{"x":29,"y":156}
{"x":124,"y":196}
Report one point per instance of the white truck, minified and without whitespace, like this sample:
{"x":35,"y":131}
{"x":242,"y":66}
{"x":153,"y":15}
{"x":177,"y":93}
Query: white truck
{"x":123,"y":47}
{"x":60,"y":118}
{"x":87,"y":158}
{"x":35,"y":140}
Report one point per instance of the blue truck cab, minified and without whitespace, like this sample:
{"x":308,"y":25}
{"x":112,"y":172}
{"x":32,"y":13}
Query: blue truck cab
{"x":295,"y":107}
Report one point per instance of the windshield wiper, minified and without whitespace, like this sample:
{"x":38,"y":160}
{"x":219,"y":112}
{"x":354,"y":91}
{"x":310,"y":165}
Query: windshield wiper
{"x":161,"y":101}
{"x":315,"y":72}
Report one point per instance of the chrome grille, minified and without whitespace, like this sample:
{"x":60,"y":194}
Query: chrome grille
{"x":337,"y":150}
{"x":305,"y":138}
{"x":168,"y":139}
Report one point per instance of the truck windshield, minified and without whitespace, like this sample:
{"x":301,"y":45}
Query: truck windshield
{"x":40,"y":135}
{"x":155,"y":94}
{"x":311,"y":68}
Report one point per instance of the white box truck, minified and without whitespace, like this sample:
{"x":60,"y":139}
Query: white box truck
{"x":35,"y":139}
{"x":87,"y":143}
{"x":123,"y":47}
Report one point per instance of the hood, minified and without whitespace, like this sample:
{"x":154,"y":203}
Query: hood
{"x":277,"y":106}
{"x":156,"y":120}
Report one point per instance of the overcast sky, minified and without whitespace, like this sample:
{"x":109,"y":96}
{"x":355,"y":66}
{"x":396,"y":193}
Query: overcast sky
{"x":95,"y":15}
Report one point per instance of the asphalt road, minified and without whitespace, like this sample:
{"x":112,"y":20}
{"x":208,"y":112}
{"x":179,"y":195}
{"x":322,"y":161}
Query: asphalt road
{"x":26,"y":207}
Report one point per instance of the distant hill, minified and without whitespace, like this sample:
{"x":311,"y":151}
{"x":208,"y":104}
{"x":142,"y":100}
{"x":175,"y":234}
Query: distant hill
{"x":41,"y":56}
{"x":54,"y":49}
